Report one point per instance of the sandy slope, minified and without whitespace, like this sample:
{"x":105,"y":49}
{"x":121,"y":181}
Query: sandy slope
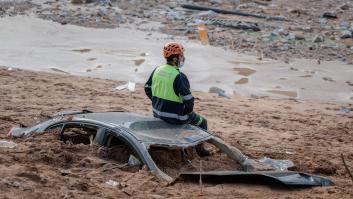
{"x":312,"y":134}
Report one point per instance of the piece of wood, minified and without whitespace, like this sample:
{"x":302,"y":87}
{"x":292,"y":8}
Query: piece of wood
{"x":263,"y":3}
{"x":235,"y":12}
{"x":201,"y":191}
{"x":345,"y":165}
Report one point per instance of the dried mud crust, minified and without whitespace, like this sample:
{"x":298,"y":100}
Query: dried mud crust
{"x":312,"y":134}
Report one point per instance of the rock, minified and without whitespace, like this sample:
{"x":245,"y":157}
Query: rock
{"x":219,"y":91}
{"x":323,"y":22}
{"x":295,"y":11}
{"x":237,"y":2}
{"x":275,"y":33}
{"x":209,"y":13}
{"x":345,"y":24}
{"x":318,"y":39}
{"x":344,"y":7}
{"x":328,"y":79}
{"x":279,"y":32}
{"x":175,"y":15}
{"x":217,"y":1}
{"x":329,"y":15}
{"x":298,"y":36}
{"x":346,"y":34}
{"x":291,"y":36}
{"x":77,"y":1}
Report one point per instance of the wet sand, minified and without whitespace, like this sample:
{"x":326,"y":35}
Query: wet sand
{"x":36,"y":44}
{"x":310,"y":133}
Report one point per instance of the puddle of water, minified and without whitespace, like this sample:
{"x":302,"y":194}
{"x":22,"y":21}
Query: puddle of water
{"x":306,"y":76}
{"x":292,"y":94}
{"x":245,"y":71}
{"x":84,"y":50}
{"x":138,"y":62}
{"x":243,"y":80}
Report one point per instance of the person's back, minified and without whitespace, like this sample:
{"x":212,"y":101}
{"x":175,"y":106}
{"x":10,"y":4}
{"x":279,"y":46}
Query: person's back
{"x":169,"y":91}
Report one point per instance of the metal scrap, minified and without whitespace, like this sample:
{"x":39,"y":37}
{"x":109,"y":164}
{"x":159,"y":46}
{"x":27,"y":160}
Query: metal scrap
{"x":235,"y":12}
{"x":230,"y":23}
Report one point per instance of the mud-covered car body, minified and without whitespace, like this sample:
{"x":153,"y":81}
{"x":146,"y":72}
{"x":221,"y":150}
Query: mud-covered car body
{"x":142,"y":132}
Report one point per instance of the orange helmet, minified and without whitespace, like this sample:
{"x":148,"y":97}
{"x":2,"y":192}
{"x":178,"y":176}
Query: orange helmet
{"x":172,"y":48}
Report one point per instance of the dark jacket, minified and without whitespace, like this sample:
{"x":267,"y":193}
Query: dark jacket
{"x":181,"y":87}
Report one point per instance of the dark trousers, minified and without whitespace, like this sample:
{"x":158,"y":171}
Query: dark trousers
{"x":197,"y":120}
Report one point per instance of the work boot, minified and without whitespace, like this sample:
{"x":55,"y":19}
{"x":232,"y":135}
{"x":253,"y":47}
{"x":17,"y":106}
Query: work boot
{"x":201,"y":151}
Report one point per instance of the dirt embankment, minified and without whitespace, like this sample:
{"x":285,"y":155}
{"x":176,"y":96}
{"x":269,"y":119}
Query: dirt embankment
{"x":312,"y":134}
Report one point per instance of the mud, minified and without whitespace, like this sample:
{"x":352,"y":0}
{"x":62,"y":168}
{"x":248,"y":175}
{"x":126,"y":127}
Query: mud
{"x":242,"y":81}
{"x":286,"y":93}
{"x":118,"y":54}
{"x":310,"y":133}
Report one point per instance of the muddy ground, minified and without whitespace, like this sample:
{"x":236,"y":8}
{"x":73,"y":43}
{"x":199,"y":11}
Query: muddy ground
{"x":317,"y":29}
{"x":312,"y":134}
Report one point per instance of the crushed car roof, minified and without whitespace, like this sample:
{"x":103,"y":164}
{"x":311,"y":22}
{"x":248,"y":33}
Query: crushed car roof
{"x":140,"y":132}
{"x":146,"y":129}
{"x":151,"y":130}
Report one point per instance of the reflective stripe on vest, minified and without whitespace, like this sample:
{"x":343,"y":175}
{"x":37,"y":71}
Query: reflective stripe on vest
{"x":171,"y":115}
{"x":163,"y":81}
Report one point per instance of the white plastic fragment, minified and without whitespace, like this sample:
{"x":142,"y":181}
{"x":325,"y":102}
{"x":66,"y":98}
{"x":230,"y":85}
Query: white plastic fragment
{"x":130,"y":86}
{"x":282,"y":165}
{"x":112,"y":183}
{"x":7,"y":144}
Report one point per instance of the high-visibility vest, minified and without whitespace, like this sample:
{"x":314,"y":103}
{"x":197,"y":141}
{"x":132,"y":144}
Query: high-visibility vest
{"x":163,"y":81}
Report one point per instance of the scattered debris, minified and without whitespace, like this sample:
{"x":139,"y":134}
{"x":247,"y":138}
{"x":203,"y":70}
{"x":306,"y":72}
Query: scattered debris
{"x":129,"y":86}
{"x":112,"y":183}
{"x":346,"y":110}
{"x":346,"y":34}
{"x":222,"y":11}
{"x":328,"y":79}
{"x":138,"y":62}
{"x":7,"y":144}
{"x":219,"y":91}
{"x":229,"y":23}
{"x":203,"y":34}
{"x":318,"y":39}
{"x":281,"y":165}
{"x":329,"y":15}
{"x":133,"y":161}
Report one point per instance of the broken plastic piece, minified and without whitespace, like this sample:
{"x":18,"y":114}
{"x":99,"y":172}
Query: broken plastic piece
{"x":133,"y":161}
{"x":203,"y":34}
{"x":289,"y":178}
{"x":130,"y":86}
{"x":7,"y":144}
{"x":112,"y":183}
{"x":282,"y":165}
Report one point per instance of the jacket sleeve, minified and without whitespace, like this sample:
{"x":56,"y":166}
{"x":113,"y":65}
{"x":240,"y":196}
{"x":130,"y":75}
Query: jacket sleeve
{"x":182,"y":88}
{"x":148,"y":86}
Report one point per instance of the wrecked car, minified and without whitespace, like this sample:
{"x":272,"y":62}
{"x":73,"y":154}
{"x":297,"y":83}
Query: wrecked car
{"x":130,"y":135}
